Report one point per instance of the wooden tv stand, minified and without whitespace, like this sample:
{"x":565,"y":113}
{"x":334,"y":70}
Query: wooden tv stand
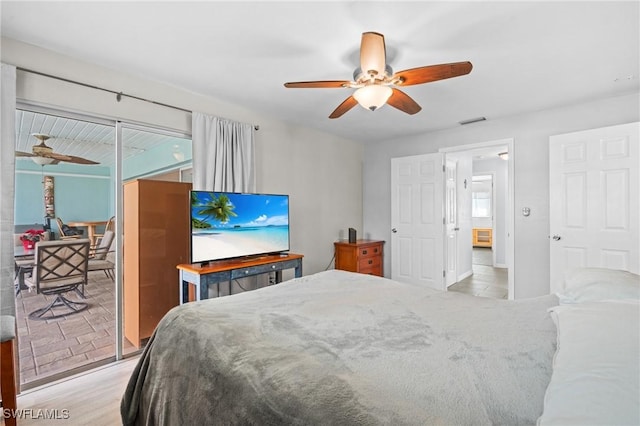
{"x":202,"y":276}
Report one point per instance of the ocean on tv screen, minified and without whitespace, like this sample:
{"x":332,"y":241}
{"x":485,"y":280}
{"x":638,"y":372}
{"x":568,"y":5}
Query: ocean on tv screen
{"x":225,"y":225}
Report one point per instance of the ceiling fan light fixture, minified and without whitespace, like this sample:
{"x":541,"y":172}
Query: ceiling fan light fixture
{"x":177,"y":153}
{"x":42,"y":161}
{"x":373,"y":97}
{"x":42,"y":154}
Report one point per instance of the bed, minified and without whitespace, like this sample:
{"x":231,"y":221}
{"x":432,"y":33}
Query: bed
{"x":340,"y":348}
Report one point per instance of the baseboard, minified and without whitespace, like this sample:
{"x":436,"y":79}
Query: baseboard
{"x":500,"y":265}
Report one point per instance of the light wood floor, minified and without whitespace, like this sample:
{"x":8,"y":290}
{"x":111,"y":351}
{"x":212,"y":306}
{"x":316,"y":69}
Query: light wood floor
{"x":91,"y":398}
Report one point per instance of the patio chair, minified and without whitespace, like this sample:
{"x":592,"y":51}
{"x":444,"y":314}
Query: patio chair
{"x":66,"y":232}
{"x":98,"y":259}
{"x":110,"y":226}
{"x":60,"y":267}
{"x":23,"y":265}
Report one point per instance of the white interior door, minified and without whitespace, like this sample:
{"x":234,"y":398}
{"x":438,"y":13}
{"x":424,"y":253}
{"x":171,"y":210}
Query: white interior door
{"x":417,"y":220}
{"x":594,"y":187}
{"x":451,"y":223}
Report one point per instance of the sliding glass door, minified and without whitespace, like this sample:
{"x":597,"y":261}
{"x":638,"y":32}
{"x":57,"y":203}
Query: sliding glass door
{"x":63,"y":185}
{"x":74,"y":177}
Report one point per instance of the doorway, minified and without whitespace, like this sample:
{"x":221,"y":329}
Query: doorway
{"x":487,"y":280}
{"x":54,"y":348}
{"x":484,"y":255}
{"x":75,"y":187}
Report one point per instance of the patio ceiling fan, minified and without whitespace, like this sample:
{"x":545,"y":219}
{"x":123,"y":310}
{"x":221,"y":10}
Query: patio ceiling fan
{"x":376,"y":82}
{"x":42,"y":154}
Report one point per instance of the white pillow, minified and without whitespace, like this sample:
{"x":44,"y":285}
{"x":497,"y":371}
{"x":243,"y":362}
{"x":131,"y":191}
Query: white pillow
{"x":596,"y":367}
{"x":585,"y":284}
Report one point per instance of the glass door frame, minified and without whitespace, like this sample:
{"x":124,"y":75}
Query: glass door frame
{"x":118,"y":125}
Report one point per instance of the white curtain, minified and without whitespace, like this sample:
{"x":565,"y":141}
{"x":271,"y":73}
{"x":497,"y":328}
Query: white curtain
{"x":7,"y":173}
{"x":223,"y":154}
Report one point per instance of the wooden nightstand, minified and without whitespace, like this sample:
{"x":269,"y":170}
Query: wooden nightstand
{"x":363,"y":256}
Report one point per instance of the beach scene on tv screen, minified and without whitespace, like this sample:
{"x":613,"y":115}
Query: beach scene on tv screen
{"x":225,"y":225}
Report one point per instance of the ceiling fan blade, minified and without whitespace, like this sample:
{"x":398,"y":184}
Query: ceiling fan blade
{"x":70,"y":158}
{"x":373,"y":54}
{"x":337,"y":84}
{"x":432,"y":73}
{"x":78,"y":160}
{"x":403,"y":102}
{"x":345,"y":106}
{"x":59,"y":157}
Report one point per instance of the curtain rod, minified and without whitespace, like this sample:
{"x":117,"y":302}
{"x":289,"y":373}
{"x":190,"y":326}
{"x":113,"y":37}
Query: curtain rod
{"x":119,"y":95}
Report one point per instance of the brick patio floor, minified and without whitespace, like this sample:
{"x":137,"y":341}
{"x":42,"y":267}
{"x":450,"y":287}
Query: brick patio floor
{"x":50,"y":347}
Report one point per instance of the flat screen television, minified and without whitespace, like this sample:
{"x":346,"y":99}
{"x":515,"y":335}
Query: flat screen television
{"x":228,"y":225}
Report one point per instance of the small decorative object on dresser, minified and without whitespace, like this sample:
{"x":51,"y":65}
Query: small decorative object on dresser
{"x":363,"y":256}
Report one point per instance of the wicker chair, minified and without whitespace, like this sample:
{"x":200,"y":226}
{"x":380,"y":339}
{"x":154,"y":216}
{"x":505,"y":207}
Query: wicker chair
{"x":63,"y":234}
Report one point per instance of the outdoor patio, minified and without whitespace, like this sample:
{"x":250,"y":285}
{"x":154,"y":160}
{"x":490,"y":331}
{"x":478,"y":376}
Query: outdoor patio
{"x":50,"y":347}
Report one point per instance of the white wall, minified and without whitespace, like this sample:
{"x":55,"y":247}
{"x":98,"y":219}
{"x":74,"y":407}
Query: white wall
{"x":531,"y":134}
{"x":321,"y":172}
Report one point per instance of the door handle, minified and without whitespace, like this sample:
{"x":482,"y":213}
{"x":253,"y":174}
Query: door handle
{"x":394,"y":230}
{"x":557,"y":238}
{"x":456,"y":229}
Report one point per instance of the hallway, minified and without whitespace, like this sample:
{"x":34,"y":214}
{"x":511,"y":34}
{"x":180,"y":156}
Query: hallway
{"x":486,"y":280}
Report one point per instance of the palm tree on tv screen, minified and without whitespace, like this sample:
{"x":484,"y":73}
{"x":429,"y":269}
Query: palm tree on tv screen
{"x":219,"y":208}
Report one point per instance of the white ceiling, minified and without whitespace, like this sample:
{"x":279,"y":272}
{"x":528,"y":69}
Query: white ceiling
{"x":526,"y":56}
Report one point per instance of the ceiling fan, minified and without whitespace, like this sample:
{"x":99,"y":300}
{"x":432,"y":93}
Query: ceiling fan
{"x":376,"y":83}
{"x":42,"y":154}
